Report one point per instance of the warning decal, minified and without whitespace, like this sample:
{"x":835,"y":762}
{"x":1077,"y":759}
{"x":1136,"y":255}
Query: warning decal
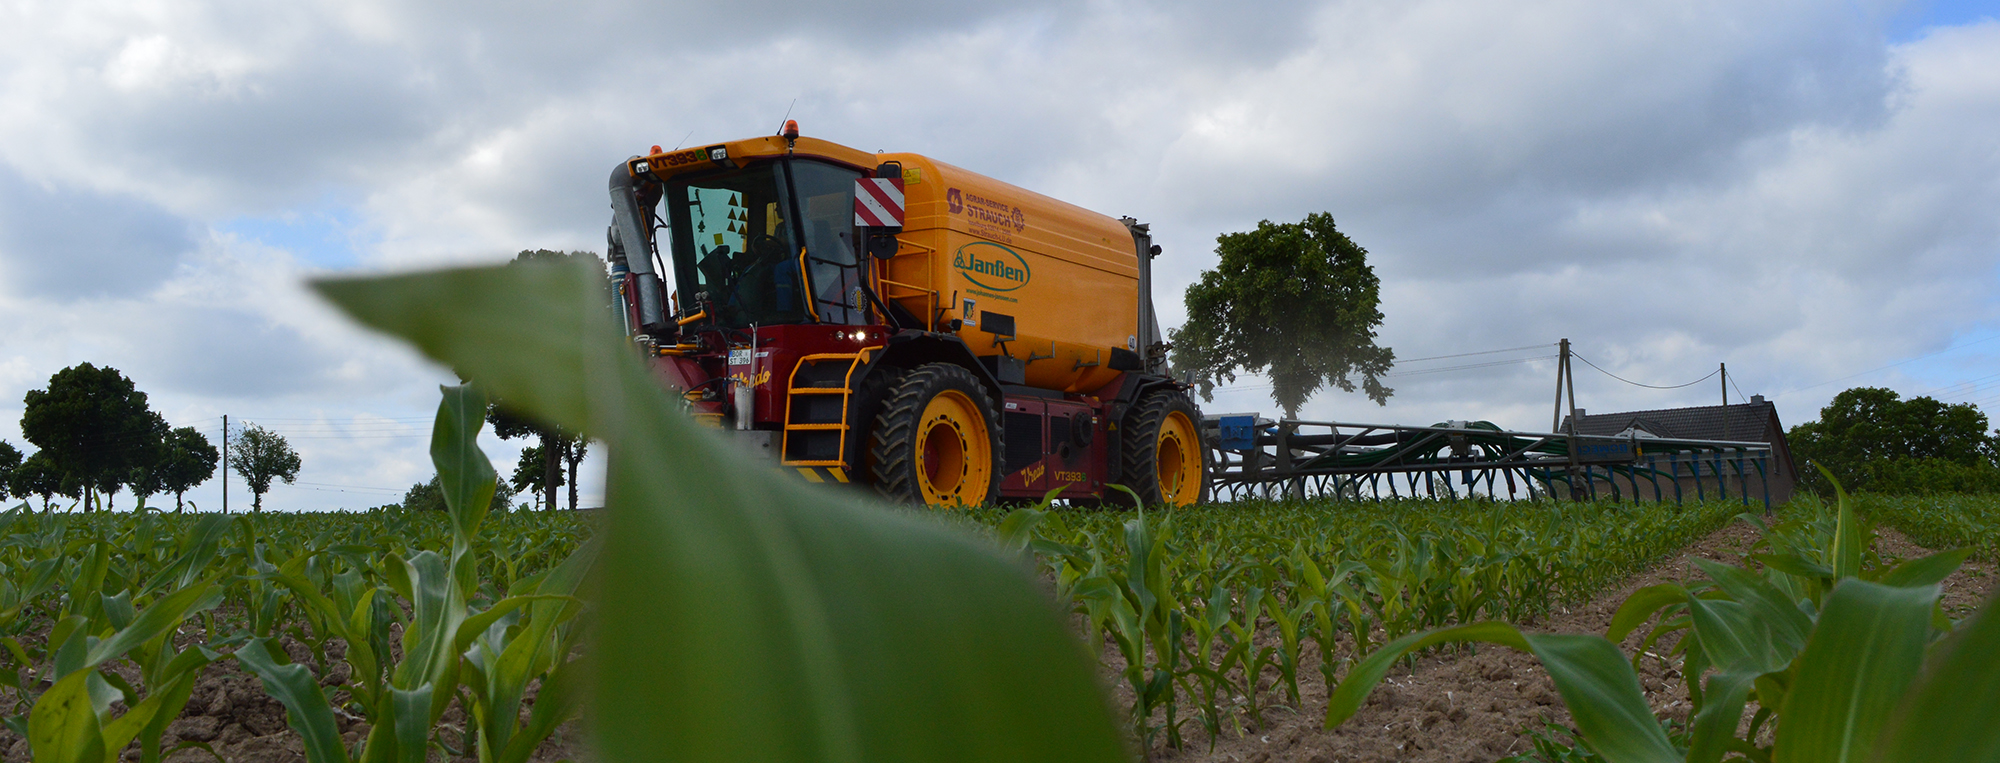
{"x":878,"y":202}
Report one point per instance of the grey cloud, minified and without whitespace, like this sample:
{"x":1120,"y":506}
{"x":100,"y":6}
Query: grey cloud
{"x":58,"y":242}
{"x":226,"y":352}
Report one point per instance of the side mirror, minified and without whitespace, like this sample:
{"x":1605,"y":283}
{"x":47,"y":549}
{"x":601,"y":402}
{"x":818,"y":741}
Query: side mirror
{"x":882,"y":242}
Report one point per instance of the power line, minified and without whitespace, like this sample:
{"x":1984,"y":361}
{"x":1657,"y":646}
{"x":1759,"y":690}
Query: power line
{"x":1974,"y":389}
{"x":1898,"y":363}
{"x":1586,"y":361}
{"x":1739,"y":390}
{"x":1470,"y":366}
{"x":1441,"y":369}
{"x":1470,"y":354}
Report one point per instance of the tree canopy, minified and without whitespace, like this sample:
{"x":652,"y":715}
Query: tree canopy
{"x":1296,"y":301}
{"x":187,"y":459}
{"x":38,"y":476}
{"x":261,"y":455}
{"x":94,"y":427}
{"x":1875,"y":441}
{"x":10,"y":459}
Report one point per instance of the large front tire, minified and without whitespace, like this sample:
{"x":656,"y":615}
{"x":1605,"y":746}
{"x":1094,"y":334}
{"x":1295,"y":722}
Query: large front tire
{"x":937,"y":440}
{"x":1164,"y":459}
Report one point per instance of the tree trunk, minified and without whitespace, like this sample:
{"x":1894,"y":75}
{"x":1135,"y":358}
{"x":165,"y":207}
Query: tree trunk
{"x":551,"y":471}
{"x":568,"y":451}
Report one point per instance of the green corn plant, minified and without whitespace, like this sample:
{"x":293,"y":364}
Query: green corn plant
{"x":403,"y":700}
{"x":1289,"y":617}
{"x":743,"y":617}
{"x":71,"y":722}
{"x":1840,"y":678}
{"x":534,"y":641}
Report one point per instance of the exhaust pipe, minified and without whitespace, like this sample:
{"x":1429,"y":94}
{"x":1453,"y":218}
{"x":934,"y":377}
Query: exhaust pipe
{"x":746,"y":402}
{"x":635,"y":242}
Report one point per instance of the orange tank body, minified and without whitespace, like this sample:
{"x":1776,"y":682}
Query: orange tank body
{"x":1066,"y":276}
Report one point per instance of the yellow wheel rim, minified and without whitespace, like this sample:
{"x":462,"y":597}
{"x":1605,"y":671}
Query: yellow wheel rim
{"x":1177,"y":456}
{"x":954,"y":451}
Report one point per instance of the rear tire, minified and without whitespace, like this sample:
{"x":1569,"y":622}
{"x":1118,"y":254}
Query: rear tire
{"x":1164,"y":460}
{"x":937,"y":440}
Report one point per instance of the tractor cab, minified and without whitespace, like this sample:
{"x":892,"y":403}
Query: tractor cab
{"x":767,"y":244}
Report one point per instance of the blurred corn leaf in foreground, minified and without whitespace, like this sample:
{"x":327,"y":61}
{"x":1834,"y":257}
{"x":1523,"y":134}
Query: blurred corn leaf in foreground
{"x":740,"y":615}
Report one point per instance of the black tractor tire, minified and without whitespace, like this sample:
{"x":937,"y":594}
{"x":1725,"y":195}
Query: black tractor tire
{"x":865,"y":405}
{"x":1163,"y":425}
{"x":927,"y":445}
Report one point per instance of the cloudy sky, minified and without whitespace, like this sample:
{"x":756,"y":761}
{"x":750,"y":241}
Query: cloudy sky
{"x":1804,"y":191}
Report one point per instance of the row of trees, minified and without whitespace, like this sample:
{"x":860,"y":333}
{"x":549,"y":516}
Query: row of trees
{"x":1875,"y":441}
{"x":96,"y":434}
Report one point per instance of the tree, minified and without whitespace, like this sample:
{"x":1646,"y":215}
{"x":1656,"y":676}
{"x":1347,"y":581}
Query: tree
{"x":574,"y":450}
{"x":145,"y":482}
{"x":429,"y":496}
{"x":94,"y":427}
{"x":531,"y":475}
{"x":37,"y":475}
{"x":10,"y":459}
{"x":1296,"y":301}
{"x":261,"y":455}
{"x":425,"y":496}
{"x":1874,"y":441}
{"x":186,"y":460}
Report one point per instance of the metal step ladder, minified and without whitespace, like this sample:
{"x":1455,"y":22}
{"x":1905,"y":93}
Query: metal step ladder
{"x":816,"y":408}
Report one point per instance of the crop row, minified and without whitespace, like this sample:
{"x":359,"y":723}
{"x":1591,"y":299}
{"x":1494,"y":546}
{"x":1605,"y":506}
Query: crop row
{"x":1182,"y":597}
{"x":402,"y":615}
{"x":1940,"y":521}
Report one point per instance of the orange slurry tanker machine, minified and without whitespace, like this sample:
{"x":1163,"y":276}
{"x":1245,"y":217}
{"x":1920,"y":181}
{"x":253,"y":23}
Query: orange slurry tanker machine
{"x":890,"y":320}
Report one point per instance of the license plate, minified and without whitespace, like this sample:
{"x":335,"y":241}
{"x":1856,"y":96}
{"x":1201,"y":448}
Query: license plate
{"x":739,"y":357}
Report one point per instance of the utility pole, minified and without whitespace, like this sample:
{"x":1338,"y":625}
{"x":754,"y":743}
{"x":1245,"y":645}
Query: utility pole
{"x":225,"y":463}
{"x":1566,"y":381}
{"x":1562,"y":370}
{"x":1725,"y":383}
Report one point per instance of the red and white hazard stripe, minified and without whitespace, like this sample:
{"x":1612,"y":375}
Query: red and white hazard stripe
{"x":878,"y":202}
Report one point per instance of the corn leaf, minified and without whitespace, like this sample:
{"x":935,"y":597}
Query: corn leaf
{"x":465,"y":476}
{"x":1867,"y":648}
{"x":1788,"y":626}
{"x":743,"y":617}
{"x":1927,"y":570}
{"x":1721,"y":712}
{"x":1603,"y":696}
{"x":1733,"y":638}
{"x":306,"y":708}
{"x":63,"y":726}
{"x":1641,"y":606}
{"x":1949,"y":714}
{"x":162,"y":616}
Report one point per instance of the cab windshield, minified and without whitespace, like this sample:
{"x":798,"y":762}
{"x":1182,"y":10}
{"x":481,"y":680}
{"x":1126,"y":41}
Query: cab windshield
{"x":768,"y":244}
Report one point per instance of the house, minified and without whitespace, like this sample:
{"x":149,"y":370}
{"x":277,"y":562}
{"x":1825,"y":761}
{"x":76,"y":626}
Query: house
{"x":1755,"y":421}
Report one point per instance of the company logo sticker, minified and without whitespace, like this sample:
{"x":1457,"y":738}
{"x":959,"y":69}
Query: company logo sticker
{"x":991,"y":266}
{"x":954,"y":200}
